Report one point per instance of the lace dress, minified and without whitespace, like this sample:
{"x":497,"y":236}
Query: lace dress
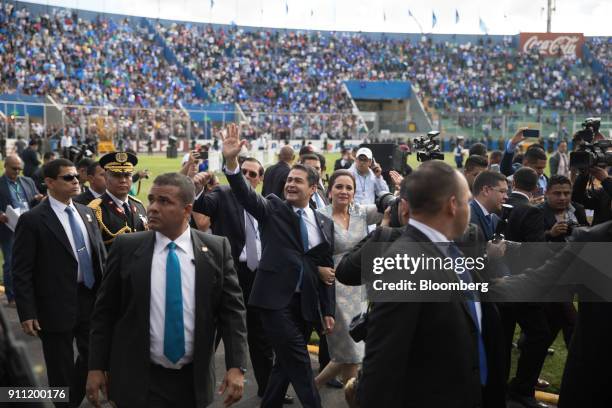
{"x":342,"y":348}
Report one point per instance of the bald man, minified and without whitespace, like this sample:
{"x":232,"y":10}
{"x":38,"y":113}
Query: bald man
{"x":18,"y":192}
{"x":276,"y":175}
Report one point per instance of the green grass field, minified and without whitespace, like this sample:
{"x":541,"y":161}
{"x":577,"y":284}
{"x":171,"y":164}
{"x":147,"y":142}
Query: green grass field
{"x":553,"y":368}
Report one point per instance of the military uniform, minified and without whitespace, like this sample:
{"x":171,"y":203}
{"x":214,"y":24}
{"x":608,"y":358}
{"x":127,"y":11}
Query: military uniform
{"x":112,"y":218}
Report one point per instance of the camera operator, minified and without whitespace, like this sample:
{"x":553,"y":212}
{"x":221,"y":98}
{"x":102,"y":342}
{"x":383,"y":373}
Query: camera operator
{"x":592,"y":159}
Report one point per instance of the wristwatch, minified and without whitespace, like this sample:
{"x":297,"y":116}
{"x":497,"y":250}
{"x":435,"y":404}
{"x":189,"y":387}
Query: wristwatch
{"x":242,"y":370}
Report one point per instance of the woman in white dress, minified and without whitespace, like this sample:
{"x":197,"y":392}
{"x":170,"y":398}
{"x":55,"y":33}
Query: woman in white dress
{"x":350,"y":226}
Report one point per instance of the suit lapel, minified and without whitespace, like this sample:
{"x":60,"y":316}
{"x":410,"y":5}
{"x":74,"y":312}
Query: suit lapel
{"x":27,"y":192}
{"x":4,"y":191}
{"x":205,"y":280}
{"x":56,"y":227}
{"x":141,"y":272}
{"x":324,"y":227}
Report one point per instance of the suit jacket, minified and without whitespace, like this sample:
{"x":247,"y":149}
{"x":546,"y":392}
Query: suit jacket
{"x":226,"y":216}
{"x":119,"y":337}
{"x":338,"y":164}
{"x":526,"y":222}
{"x":549,"y":218}
{"x":477,"y":217}
{"x":45,"y":267}
{"x":85,"y":197}
{"x":323,"y":194}
{"x":30,"y":162}
{"x":283,"y":255}
{"x":428,"y":352}
{"x":275,"y":178}
{"x":27,"y":186}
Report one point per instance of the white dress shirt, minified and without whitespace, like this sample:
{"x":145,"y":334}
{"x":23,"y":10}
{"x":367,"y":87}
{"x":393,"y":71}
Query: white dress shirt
{"x":117,"y":201}
{"x":157,"y":311}
{"x":59,"y":209}
{"x":436,"y":236}
{"x":247,"y":221}
{"x":314,"y":234}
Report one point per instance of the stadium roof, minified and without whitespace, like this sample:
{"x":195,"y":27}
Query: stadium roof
{"x":436,"y":16}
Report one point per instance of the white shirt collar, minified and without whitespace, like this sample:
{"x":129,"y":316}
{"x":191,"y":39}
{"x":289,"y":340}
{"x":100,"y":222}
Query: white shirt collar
{"x":116,"y":200}
{"x":182,"y":242}
{"x":431,"y":233}
{"x":96,"y":195}
{"x":58,"y":205}
{"x":484,"y":210}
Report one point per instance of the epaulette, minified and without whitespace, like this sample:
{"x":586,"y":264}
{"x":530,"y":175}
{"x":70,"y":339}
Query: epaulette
{"x":135,"y":199}
{"x":95,"y":203}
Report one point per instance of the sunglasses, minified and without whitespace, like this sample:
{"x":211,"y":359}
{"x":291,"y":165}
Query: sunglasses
{"x":16,"y":168}
{"x":69,"y":177}
{"x":250,"y":173}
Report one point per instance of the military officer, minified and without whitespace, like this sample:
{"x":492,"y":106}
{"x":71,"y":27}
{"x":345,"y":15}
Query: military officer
{"x":118,"y":212}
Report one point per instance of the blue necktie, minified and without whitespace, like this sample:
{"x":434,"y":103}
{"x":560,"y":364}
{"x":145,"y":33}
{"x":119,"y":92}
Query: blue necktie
{"x":82,"y":255}
{"x":455,"y":253}
{"x":304,"y":235}
{"x":174,"y":329}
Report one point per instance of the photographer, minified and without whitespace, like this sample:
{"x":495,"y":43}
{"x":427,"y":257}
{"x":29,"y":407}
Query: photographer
{"x":560,"y":214}
{"x":596,"y":199}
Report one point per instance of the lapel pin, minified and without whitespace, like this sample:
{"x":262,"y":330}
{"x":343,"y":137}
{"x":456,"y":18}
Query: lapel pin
{"x":204,"y":248}
{"x":88,"y":217}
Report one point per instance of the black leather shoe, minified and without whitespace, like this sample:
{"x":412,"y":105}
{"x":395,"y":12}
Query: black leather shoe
{"x":527,"y":402}
{"x":542,"y":384}
{"x":288,"y":400}
{"x":335,"y":383}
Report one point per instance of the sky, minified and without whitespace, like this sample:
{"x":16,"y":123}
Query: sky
{"x":590,"y":17}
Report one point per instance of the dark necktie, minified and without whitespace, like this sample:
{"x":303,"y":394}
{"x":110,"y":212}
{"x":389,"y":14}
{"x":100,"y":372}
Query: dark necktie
{"x":83,"y":256}
{"x":128,"y":214}
{"x":174,"y":329}
{"x":304,"y":235}
{"x":471,"y":298}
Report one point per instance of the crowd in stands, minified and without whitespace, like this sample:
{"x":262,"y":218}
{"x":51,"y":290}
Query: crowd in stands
{"x":602,"y":50}
{"x":285,"y":82}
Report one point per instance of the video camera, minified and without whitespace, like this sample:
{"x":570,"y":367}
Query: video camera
{"x":76,"y":153}
{"x":385,"y":201}
{"x":590,"y":154}
{"x":427,"y":147}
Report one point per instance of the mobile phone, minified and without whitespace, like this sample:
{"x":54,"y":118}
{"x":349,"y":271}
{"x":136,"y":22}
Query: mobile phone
{"x":531,"y":133}
{"x":204,"y":155}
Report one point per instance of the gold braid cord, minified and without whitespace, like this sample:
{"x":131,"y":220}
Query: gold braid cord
{"x":95,"y":206}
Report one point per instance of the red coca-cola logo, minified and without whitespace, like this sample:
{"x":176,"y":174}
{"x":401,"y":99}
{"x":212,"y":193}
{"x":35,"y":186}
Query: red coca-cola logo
{"x":553,"y":44}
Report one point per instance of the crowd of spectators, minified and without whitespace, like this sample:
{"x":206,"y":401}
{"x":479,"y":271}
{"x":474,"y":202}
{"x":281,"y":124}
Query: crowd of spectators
{"x":601,"y":47}
{"x":285,"y":82}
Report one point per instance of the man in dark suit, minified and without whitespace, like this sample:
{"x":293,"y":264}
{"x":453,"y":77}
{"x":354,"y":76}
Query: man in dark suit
{"x":525,"y":224}
{"x":30,"y":158}
{"x":434,"y":354}
{"x":96,"y":176}
{"x":20,"y":193}
{"x":490,"y":192}
{"x":58,"y":262}
{"x":118,"y":212}
{"x":276,"y":175}
{"x":319,"y":198}
{"x":561,"y":216}
{"x":39,"y":177}
{"x":287,"y":288}
{"x":164,"y":295}
{"x":345,"y":161}
{"x":229,"y":219}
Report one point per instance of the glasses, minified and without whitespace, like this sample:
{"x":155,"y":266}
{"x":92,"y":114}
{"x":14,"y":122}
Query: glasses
{"x":69,"y":177}
{"x":250,"y":173}
{"x":17,"y":168}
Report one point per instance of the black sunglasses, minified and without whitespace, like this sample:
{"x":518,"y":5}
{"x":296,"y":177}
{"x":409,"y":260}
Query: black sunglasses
{"x":69,"y":177}
{"x":250,"y":173}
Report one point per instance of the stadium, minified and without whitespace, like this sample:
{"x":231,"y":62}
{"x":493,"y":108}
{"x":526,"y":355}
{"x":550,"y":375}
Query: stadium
{"x":112,"y":79}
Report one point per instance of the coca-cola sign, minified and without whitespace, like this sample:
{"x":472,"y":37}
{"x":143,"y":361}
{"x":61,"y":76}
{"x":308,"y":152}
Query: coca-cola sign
{"x":553,"y":44}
